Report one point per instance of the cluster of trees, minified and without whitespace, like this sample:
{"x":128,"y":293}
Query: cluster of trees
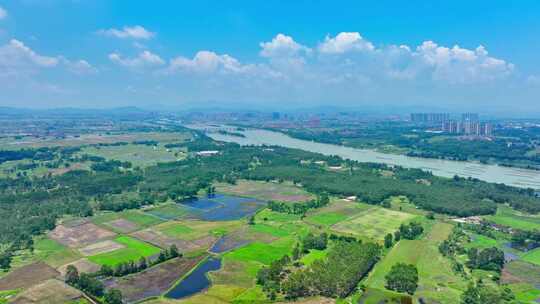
{"x":406,"y":231}
{"x":110,"y":165}
{"x":402,"y":278}
{"x":343,"y":238}
{"x":486,"y":259}
{"x":122,"y":202}
{"x":484,"y":228}
{"x":321,"y":201}
{"x":481,"y":293}
{"x":130,"y":267}
{"x":145,"y":142}
{"x":485,"y":151}
{"x":388,"y":240}
{"x":526,"y":239}
{"x":42,"y":154}
{"x":335,"y":276}
{"x":237,"y":134}
{"x":270,"y":277}
{"x":91,"y":285}
{"x":310,"y":241}
{"x":409,"y":231}
{"x":452,"y":246}
{"x":5,"y":259}
{"x":30,"y":206}
{"x":461,"y":197}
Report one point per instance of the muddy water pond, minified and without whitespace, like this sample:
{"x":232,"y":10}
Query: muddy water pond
{"x":196,"y":281}
{"x":219,"y":207}
{"x":226,"y":243}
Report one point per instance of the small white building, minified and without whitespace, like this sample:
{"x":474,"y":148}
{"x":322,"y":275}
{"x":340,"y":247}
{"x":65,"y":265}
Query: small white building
{"x":207,"y":153}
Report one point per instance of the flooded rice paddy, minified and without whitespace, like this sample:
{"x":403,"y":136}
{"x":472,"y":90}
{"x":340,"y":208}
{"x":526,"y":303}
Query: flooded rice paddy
{"x":219,"y":207}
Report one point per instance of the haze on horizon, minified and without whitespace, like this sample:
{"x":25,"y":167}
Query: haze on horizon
{"x":273,"y":55}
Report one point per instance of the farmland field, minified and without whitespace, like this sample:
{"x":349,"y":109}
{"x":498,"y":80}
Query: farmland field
{"x":374,"y":223}
{"x":49,"y":251}
{"x":532,"y":256}
{"x":155,"y":280}
{"x":259,"y":252}
{"x":508,"y":217}
{"x":101,"y":247}
{"x":274,"y":231}
{"x":195,"y":229}
{"x":337,"y":211}
{"x":90,"y":139}
{"x":481,"y":241}
{"x":168,"y":211}
{"x":138,"y":155}
{"x":27,"y":276}
{"x":437,"y":280}
{"x":50,"y":291}
{"x":313,"y":255}
{"x":134,"y":249}
{"x":126,"y":221}
{"x":292,"y":251}
{"x":327,"y":219}
{"x":79,"y":235}
{"x":286,"y":192}
{"x":521,"y":272}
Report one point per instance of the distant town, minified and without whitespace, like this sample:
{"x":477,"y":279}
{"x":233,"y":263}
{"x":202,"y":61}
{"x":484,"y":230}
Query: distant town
{"x":469,"y":124}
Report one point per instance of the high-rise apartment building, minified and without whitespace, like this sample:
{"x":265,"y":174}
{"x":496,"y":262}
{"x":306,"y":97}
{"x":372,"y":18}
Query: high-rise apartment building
{"x":430,"y":117}
{"x":469,"y":117}
{"x":467,"y":128}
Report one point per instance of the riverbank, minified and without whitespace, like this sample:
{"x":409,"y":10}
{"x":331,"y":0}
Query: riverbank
{"x":523,"y":178}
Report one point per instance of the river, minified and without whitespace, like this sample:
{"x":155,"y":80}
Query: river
{"x":517,"y":177}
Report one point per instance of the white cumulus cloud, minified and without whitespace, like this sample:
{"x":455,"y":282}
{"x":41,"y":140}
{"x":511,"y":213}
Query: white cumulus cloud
{"x":17,"y":59}
{"x":79,"y":67}
{"x":144,"y":59}
{"x":3,"y":13}
{"x":207,"y":61}
{"x":460,"y":65}
{"x":16,"y":52}
{"x":132,"y":32}
{"x":345,"y":42}
{"x":281,"y":45}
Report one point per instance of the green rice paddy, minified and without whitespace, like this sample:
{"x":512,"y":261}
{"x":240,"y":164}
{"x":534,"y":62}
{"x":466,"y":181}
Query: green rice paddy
{"x":313,"y":255}
{"x":195,"y":229}
{"x":133,"y":251}
{"x":274,"y":231}
{"x":374,"y":223}
{"x":259,"y":252}
{"x":139,"y":155}
{"x":481,"y":241}
{"x":48,"y":251}
{"x":532,"y":256}
{"x":508,"y":217}
{"x":327,"y":219}
{"x":437,"y":279}
{"x":168,"y":211}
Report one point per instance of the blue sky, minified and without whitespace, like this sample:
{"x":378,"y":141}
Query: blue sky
{"x":271,"y":54}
